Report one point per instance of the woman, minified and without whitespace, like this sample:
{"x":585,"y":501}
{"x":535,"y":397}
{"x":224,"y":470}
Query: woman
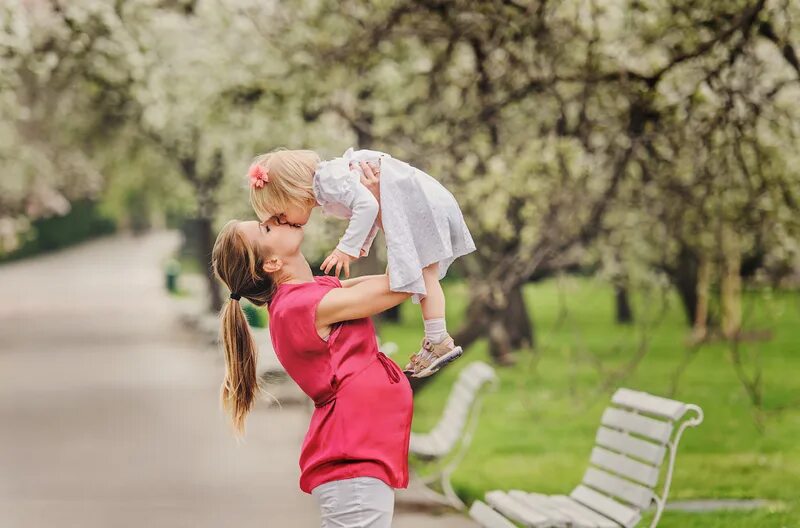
{"x":356,"y":449}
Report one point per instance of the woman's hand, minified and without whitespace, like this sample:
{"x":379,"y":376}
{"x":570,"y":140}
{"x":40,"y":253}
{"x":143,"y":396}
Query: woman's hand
{"x":371,"y":179}
{"x":340,"y":260}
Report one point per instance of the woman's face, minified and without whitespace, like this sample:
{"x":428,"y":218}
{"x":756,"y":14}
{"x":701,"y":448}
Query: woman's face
{"x":272,"y":239}
{"x":295,"y":214}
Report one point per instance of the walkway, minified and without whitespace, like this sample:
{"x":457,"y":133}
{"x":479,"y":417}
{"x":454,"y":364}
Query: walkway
{"x":109,"y":413}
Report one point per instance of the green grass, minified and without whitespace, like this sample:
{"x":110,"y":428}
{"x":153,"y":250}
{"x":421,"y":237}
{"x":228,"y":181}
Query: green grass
{"x":536,"y":431}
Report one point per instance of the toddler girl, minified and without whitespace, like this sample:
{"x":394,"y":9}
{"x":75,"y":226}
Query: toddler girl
{"x":422,"y":223}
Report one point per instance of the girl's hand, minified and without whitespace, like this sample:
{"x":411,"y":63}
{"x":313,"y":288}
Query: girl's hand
{"x":340,"y":260}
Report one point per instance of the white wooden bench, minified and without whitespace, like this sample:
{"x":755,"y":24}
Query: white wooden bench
{"x":637,"y":432}
{"x":447,"y":443}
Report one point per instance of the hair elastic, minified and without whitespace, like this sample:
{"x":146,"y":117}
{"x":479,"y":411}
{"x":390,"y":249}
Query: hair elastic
{"x":236,"y":296}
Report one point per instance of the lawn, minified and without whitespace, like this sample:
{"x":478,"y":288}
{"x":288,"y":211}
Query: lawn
{"x":536,"y":431}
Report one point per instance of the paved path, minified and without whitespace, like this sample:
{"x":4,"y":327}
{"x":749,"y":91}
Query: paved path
{"x":108,"y":407}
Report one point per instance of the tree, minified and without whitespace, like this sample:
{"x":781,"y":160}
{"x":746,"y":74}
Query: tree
{"x":44,"y":105}
{"x":541,"y":128}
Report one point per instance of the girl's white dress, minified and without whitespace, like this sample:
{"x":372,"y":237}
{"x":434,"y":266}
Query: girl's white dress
{"x":422,"y":222}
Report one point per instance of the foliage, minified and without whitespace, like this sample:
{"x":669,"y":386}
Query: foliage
{"x":83,"y":221}
{"x":629,"y":135}
{"x":636,"y":129}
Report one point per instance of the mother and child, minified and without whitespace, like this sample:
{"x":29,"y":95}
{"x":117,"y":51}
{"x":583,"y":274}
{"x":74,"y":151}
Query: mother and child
{"x":355,"y":452}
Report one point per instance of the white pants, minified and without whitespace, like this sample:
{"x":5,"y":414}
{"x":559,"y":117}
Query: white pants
{"x":362,"y":502}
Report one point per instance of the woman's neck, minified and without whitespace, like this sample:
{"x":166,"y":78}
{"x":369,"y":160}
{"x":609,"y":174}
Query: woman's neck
{"x":296,"y":272}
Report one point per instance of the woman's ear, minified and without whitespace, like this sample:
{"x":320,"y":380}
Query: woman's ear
{"x":272,"y":265}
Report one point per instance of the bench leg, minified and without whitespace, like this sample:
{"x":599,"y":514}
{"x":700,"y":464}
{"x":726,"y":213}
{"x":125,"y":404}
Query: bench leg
{"x":448,"y":493}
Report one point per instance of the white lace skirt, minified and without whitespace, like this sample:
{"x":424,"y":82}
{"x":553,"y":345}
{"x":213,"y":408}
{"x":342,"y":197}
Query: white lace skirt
{"x":422,"y":224}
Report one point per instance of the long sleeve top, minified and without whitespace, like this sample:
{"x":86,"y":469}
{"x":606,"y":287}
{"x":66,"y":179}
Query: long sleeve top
{"x":338,"y":189}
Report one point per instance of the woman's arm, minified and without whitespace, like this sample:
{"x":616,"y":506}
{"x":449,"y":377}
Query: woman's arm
{"x":369,"y":297}
{"x":349,"y":283}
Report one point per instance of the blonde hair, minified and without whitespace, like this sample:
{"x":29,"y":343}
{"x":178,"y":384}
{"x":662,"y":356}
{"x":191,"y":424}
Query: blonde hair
{"x":291,"y":173}
{"x":237,"y":264}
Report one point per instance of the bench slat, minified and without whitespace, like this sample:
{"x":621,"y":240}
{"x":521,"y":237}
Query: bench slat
{"x":443,"y":438}
{"x":557,"y":517}
{"x":609,"y":484}
{"x":584,"y":517}
{"x":642,"y":425}
{"x":447,"y":441}
{"x":460,"y":397}
{"x":644,"y":402}
{"x":426,"y":445}
{"x":516,"y":510}
{"x":625,"y":466}
{"x":624,"y":443}
{"x":487,"y":517}
{"x":471,"y":378}
{"x":451,"y":421}
{"x":607,"y":506}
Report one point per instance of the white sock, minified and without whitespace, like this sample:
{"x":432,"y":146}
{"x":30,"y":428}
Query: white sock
{"x":435,"y":329}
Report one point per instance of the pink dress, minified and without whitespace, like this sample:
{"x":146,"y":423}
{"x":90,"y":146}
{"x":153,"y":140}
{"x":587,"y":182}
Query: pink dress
{"x":362,"y":420}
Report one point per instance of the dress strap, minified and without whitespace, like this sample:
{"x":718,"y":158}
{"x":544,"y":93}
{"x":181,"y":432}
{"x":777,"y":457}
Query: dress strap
{"x":390,"y":367}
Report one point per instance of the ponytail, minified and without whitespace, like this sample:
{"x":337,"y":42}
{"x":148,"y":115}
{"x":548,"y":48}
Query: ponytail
{"x":241,"y":386}
{"x":238,"y":265}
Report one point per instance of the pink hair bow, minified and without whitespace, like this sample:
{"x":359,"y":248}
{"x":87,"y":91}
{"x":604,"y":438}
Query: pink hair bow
{"x":258,"y":176}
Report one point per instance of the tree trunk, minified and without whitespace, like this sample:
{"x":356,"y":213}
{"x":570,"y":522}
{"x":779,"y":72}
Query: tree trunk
{"x":624,"y":313}
{"x":684,"y":277}
{"x":515,"y":326}
{"x":205,"y":243}
{"x":518,"y":321}
{"x":731,"y":283}
{"x":391,"y":315}
{"x":703,"y":288}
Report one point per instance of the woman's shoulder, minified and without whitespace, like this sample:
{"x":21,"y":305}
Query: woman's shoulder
{"x":292,"y":297}
{"x":328,"y":280}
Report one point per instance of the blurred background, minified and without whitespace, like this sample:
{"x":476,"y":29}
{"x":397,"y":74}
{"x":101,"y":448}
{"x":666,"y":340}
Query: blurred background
{"x":629,"y":169}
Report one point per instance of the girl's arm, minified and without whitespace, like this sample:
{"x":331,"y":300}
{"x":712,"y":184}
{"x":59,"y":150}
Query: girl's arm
{"x":349,"y":283}
{"x":369,"y":297}
{"x":365,"y":211}
{"x":363,"y":201}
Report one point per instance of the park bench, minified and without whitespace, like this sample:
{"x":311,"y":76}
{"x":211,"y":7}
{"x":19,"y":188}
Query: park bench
{"x":446,"y":444}
{"x":637,"y":432}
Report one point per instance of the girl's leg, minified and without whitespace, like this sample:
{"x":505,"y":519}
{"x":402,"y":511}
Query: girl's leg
{"x":433,"y":305}
{"x":438,"y":348}
{"x":361,"y":502}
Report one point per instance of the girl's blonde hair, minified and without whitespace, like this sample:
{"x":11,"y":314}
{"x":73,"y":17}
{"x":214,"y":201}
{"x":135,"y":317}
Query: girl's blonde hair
{"x":238,"y":265}
{"x":290,"y":173}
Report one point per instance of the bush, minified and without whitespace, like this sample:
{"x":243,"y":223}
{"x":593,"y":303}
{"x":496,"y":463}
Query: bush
{"x":255,"y":316}
{"x":82,"y":222}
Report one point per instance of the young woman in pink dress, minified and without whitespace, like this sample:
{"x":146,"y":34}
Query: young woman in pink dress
{"x":355,"y":452}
